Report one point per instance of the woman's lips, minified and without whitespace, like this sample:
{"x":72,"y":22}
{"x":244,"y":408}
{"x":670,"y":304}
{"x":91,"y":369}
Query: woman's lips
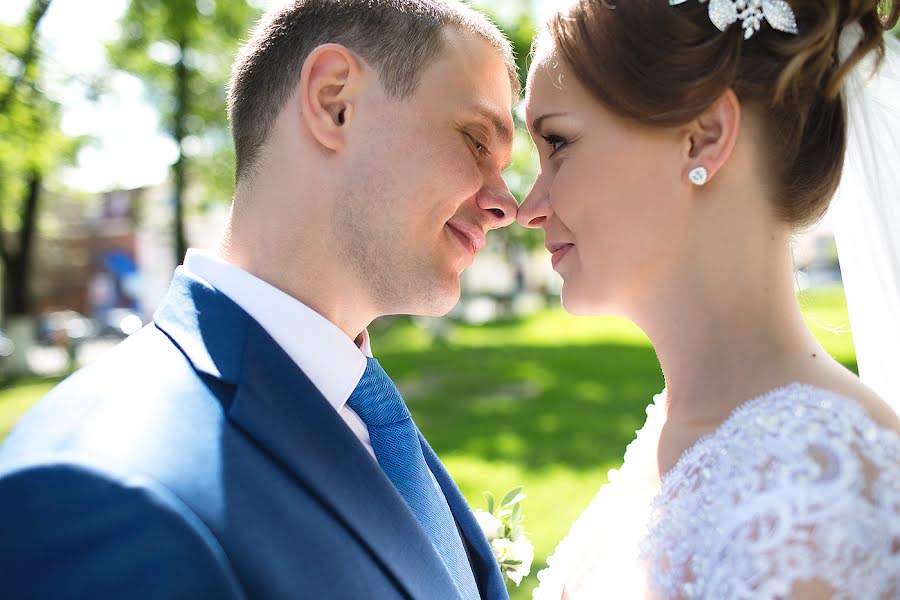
{"x":559,"y":252}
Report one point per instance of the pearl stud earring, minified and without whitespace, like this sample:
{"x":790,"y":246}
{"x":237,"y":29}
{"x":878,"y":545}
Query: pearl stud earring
{"x":699,"y":176}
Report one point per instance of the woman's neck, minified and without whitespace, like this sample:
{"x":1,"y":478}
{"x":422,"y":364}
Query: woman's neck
{"x":728,"y":329}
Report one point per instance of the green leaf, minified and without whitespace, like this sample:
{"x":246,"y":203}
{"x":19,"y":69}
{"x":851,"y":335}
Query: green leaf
{"x":511,"y":496}
{"x":511,"y":563}
{"x":490,"y":501}
{"x":518,"y":498}
{"x":516,"y":516}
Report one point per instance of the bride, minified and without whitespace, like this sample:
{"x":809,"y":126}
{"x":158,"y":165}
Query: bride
{"x":682,"y":144}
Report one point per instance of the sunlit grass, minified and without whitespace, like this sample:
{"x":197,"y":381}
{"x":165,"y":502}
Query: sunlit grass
{"x":17,"y":398}
{"x":826,"y":315}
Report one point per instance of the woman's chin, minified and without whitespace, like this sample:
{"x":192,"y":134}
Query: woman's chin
{"x":584,"y":305}
{"x":576,"y":306}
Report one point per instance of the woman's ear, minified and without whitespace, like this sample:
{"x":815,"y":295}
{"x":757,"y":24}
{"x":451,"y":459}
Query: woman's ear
{"x":711,"y":139}
{"x":330,"y":82}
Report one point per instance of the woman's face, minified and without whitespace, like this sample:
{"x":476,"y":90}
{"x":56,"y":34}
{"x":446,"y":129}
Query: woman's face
{"x":607,"y":195}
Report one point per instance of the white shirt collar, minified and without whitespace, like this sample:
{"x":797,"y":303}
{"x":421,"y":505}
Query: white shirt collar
{"x":331,"y":360}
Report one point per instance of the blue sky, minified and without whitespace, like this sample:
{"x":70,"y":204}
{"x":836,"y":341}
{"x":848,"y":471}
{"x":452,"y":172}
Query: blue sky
{"x":130,"y":151}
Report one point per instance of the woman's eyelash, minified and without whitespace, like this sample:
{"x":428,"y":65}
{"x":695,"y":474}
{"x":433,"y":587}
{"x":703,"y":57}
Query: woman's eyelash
{"x":555,"y":142}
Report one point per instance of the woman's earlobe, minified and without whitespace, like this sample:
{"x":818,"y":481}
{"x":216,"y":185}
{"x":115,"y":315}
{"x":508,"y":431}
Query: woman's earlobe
{"x":699,"y":176}
{"x":712,"y":139}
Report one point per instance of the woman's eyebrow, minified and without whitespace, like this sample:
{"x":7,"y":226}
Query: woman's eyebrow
{"x":536,"y":124}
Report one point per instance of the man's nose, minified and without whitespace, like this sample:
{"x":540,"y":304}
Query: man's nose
{"x":499,"y":204}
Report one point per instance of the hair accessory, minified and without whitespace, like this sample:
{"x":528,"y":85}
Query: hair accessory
{"x":751,"y":13}
{"x":699,"y":176}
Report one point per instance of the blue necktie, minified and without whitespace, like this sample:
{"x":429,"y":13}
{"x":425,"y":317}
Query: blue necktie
{"x":395,"y":441}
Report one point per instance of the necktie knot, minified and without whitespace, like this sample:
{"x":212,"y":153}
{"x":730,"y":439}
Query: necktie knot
{"x":376,"y":399}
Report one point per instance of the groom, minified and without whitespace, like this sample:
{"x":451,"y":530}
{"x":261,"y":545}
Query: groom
{"x":245,"y":444}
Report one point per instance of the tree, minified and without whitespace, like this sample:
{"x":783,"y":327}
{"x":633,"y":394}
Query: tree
{"x":517,"y":23}
{"x":182,"y":51}
{"x":516,"y":20}
{"x":32,"y":146}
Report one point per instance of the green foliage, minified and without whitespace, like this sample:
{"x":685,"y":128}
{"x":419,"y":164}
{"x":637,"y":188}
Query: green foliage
{"x":505,"y":532}
{"x":32,"y":147}
{"x":30,"y":136}
{"x":516,"y":21}
{"x":199,"y":37}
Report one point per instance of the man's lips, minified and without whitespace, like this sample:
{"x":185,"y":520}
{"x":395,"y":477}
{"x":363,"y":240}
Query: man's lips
{"x":559,"y":251}
{"x":471,"y":237}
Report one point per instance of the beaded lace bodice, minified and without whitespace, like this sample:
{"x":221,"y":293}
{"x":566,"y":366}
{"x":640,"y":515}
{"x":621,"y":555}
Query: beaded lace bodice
{"x":797,"y":490}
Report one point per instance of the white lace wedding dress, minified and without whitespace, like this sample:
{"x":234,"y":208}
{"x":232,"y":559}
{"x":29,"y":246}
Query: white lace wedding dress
{"x":796,"y":488}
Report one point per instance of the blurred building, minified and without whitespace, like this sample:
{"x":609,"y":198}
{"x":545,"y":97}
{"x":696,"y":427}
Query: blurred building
{"x":816,"y":257}
{"x":114,"y":251}
{"x":85,"y":257}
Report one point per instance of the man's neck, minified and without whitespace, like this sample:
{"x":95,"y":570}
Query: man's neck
{"x":303,"y":274}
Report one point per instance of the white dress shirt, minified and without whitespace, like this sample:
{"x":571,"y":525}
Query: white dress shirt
{"x":330,"y":359}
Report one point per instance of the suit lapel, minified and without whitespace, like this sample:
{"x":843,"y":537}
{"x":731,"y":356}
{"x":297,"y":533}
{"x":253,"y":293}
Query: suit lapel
{"x":484,"y":564}
{"x":277,"y":406}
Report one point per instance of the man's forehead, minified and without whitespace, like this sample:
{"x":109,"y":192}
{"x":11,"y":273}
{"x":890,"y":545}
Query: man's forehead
{"x":471,"y":81}
{"x":476,"y":66}
{"x":474,"y":50}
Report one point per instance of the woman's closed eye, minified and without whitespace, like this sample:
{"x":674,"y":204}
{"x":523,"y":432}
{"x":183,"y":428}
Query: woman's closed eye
{"x":555,"y":142}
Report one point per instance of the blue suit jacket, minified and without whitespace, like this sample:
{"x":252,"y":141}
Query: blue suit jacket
{"x":198,"y":461}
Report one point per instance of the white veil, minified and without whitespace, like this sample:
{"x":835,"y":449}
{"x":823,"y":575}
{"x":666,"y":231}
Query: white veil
{"x":866,"y":216}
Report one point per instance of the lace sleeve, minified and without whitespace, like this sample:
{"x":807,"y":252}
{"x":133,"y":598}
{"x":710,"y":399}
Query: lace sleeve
{"x":797,"y":499}
{"x":835,"y":537}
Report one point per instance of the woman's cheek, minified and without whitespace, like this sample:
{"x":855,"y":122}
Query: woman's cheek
{"x":572,"y":192}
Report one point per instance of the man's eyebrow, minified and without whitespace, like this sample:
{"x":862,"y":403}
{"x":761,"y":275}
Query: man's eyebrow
{"x":536,"y":124}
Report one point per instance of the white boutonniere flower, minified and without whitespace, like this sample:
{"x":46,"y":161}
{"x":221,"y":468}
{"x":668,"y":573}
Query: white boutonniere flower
{"x":502,"y":525}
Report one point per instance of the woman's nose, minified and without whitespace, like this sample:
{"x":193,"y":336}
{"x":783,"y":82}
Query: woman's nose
{"x":536,"y":209}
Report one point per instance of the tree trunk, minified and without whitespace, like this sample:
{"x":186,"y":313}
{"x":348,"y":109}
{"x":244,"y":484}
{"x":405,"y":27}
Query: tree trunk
{"x":16,"y":259}
{"x":16,"y":295}
{"x":17,"y":300}
{"x":179,"y":132}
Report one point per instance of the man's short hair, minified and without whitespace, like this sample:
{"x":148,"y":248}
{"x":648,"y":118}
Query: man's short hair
{"x":399,"y":38}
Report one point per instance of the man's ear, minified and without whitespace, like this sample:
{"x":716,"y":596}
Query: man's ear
{"x":712,"y":136}
{"x":330,"y":82}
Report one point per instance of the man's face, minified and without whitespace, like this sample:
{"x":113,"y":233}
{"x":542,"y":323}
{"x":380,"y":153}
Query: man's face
{"x":424,"y":181}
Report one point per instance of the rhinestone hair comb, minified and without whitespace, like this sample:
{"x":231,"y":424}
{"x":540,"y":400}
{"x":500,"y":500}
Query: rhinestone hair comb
{"x":751,"y":13}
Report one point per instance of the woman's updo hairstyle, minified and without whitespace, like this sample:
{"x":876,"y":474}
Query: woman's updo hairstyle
{"x":663,"y":65}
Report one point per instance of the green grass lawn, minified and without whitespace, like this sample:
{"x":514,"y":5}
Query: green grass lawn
{"x":549,"y":402}
{"x":16,"y":397}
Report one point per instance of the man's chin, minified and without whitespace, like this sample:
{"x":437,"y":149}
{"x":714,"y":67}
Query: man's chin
{"x":439,"y":300}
